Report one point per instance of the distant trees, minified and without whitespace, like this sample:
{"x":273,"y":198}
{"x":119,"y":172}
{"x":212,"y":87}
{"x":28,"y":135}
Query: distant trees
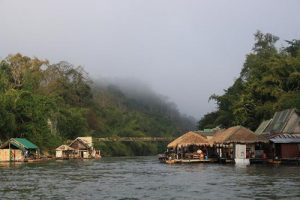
{"x":48,"y":103}
{"x":123,"y":114}
{"x":35,"y":97}
{"x":269,"y":81}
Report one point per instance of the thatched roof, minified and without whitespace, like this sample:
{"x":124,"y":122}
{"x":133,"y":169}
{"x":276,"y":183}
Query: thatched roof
{"x":236,"y":134}
{"x":64,"y":148}
{"x":190,"y":138}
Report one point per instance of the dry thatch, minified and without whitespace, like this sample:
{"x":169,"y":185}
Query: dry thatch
{"x":189,"y":138}
{"x":236,"y":134}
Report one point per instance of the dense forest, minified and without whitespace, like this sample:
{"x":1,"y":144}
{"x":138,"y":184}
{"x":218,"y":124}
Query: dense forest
{"x":51,"y":103}
{"x":268,"y":82}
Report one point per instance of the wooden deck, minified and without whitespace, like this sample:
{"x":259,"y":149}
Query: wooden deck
{"x":290,"y":161}
{"x":178,"y":161}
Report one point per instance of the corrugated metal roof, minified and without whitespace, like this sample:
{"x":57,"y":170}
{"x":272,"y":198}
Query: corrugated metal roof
{"x":263,"y":126}
{"x":286,"y":138}
{"x":280,"y":120}
{"x":64,"y":148}
{"x":87,"y":140}
{"x":24,"y":142}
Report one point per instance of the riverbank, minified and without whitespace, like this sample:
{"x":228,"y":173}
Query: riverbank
{"x":130,"y":148}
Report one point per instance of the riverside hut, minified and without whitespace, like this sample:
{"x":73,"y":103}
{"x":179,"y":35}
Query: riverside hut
{"x":64,"y":152}
{"x":282,"y":133}
{"x":83,"y":148}
{"x":18,"y":149}
{"x":236,"y":144}
{"x":190,"y":147}
{"x":286,"y":147}
{"x":283,"y":122}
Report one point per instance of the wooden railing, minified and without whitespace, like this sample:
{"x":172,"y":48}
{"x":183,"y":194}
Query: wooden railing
{"x":134,"y":139}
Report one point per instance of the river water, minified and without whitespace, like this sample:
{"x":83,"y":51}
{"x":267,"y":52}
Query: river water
{"x":146,"y":178}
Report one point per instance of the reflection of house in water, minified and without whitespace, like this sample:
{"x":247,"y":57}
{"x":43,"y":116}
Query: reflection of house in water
{"x":18,"y":149}
{"x":81,"y":147}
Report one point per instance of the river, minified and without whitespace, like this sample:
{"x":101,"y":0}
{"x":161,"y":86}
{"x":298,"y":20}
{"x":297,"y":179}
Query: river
{"x":146,"y":178}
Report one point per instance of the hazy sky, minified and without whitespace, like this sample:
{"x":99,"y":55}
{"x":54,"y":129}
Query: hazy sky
{"x":186,"y":50}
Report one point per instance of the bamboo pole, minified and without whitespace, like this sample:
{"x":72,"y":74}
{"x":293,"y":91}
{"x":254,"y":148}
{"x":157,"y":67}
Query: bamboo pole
{"x":9,"y":151}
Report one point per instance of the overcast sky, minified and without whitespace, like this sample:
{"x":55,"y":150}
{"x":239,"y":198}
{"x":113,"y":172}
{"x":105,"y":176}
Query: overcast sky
{"x":186,"y":50}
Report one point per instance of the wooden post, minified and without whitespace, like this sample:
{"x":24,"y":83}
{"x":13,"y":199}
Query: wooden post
{"x":9,"y":151}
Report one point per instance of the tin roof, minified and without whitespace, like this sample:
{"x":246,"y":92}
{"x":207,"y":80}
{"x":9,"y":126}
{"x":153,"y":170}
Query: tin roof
{"x":21,"y":143}
{"x":64,"y":148}
{"x":86,"y":141}
{"x":26,"y":143}
{"x":286,"y":138}
{"x":263,"y":126}
{"x":280,"y":121}
{"x":208,"y":131}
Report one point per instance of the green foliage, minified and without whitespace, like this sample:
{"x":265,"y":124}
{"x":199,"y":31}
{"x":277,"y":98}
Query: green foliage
{"x":29,"y":110}
{"x":208,"y":121}
{"x":71,"y":122}
{"x":49,"y":103}
{"x":269,"y":81}
{"x":130,"y":148}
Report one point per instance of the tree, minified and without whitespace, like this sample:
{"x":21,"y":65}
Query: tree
{"x":269,"y":80}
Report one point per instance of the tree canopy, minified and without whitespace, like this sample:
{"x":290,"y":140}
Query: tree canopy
{"x":48,"y":103}
{"x":269,"y":81}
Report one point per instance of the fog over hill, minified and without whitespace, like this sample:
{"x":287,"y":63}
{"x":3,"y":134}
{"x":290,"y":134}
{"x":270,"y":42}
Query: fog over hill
{"x":185,"y":50}
{"x":146,"y":98}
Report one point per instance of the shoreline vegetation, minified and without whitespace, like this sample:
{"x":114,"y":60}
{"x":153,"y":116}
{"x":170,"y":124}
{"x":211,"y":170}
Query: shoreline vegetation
{"x":269,"y":81}
{"x":51,"y":103}
{"x":132,"y":148}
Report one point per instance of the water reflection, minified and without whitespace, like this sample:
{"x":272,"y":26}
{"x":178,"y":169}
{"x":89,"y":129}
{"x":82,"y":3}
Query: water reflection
{"x":10,"y":165}
{"x":145,"y":178}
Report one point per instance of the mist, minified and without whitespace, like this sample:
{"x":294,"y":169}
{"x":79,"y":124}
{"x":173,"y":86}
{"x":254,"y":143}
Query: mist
{"x":183,"y":50}
{"x":149,"y":100}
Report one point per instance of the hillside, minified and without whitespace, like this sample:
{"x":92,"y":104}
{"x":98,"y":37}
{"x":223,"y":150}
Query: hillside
{"x":50,"y":103}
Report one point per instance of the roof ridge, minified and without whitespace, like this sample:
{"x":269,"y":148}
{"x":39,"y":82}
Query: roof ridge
{"x":229,"y":136}
{"x":239,"y":128}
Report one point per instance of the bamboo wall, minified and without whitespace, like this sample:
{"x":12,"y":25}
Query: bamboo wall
{"x":16,"y":155}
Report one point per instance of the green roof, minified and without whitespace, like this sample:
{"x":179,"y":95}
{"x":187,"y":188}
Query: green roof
{"x":23,"y":142}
